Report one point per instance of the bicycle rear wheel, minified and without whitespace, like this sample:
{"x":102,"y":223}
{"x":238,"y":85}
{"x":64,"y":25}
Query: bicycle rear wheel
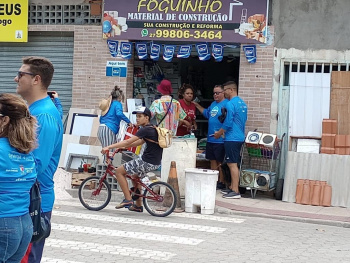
{"x":162,"y":201}
{"x":93,"y":198}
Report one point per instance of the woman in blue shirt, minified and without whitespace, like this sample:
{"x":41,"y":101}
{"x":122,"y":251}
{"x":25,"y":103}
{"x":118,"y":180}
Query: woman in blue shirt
{"x":111,"y":115}
{"x":17,"y":175}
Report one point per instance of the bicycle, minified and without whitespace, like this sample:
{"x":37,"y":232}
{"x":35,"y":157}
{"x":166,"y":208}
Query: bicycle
{"x":95,"y":193}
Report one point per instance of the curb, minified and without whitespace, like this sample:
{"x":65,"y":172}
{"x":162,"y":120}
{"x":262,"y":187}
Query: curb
{"x":227,"y":211}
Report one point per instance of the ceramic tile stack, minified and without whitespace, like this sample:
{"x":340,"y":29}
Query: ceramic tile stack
{"x":329,"y":131}
{"x":342,"y":144}
{"x":313,"y":192}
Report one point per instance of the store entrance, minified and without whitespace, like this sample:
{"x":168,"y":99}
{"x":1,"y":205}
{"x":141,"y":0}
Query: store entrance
{"x":202,"y":75}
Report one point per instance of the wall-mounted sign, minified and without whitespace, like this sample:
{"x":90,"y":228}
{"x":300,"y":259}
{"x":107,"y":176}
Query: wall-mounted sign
{"x":14,"y":21}
{"x":242,"y":21}
{"x":116,"y":69}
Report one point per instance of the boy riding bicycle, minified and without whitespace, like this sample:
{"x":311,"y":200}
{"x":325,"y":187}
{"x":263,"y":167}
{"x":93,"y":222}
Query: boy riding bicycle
{"x":149,"y":161}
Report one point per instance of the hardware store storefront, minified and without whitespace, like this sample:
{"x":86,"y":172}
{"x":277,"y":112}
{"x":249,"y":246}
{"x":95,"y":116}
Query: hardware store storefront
{"x":198,"y":42}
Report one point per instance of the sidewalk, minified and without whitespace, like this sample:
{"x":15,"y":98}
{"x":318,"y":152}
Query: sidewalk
{"x":266,"y":206}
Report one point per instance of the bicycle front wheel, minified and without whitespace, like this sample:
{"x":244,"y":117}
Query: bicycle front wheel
{"x":94,"y":196}
{"x":161,"y":201}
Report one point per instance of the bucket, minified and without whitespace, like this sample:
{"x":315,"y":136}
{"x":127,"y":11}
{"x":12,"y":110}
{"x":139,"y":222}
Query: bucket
{"x":200,"y":190}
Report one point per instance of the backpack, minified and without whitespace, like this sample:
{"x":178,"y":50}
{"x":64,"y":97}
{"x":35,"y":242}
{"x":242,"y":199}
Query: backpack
{"x":165,"y":137}
{"x":41,"y":223}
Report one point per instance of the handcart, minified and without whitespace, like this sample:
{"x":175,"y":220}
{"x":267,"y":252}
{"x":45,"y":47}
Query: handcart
{"x":260,"y":162}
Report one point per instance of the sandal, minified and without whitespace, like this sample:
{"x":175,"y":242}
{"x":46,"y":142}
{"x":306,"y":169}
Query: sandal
{"x":136,"y":208}
{"x":125,"y":203}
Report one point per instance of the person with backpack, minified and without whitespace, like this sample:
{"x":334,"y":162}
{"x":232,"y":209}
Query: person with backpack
{"x":149,"y":161}
{"x":167,"y":111}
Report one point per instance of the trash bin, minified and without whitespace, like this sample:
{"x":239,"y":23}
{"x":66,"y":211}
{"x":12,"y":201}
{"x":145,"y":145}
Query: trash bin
{"x":200,"y":190}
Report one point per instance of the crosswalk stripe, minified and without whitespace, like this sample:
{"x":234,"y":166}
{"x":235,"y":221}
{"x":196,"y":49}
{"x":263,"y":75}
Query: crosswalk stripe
{"x":133,"y":221}
{"x":127,"y":234}
{"x":109,"y":249}
{"x":54,"y":260}
{"x":76,"y":203}
{"x":210,"y":217}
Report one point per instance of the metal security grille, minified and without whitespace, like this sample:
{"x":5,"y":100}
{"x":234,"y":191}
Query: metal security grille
{"x":57,"y":48}
{"x":312,"y":67}
{"x":62,"y":15}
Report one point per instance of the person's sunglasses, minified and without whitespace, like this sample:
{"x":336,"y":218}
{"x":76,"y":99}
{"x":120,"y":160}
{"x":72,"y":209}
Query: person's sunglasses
{"x":217,"y":92}
{"x":21,"y":73}
{"x":2,"y":115}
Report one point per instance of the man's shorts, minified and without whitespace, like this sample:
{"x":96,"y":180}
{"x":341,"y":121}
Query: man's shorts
{"x":233,"y":152}
{"x":139,"y":167}
{"x":215,"y":151}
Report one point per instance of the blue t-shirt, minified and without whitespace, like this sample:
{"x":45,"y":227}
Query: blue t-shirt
{"x":234,"y":124}
{"x":17,"y":175}
{"x":47,"y":155}
{"x":113,"y":117}
{"x":212,"y":114}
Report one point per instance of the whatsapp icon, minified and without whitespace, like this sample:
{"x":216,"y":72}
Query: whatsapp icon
{"x":144,"y":33}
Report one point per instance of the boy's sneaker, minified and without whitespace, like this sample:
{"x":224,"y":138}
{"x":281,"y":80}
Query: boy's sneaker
{"x":125,"y":203}
{"x":136,"y":208}
{"x":225,"y":191}
{"x":232,"y":195}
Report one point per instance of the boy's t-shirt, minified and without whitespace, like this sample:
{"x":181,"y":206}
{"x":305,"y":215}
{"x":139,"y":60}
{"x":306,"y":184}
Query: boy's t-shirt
{"x":153,"y":152}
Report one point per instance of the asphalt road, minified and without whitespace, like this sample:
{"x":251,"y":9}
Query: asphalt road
{"x":110,"y":235}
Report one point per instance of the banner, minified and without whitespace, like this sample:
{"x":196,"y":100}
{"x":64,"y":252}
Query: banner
{"x":217,"y":51}
{"x":184,"y":51}
{"x":126,"y":50}
{"x":113,"y":47}
{"x":14,"y":21}
{"x":203,"y":51}
{"x":141,"y":49}
{"x":155,"y":51}
{"x":168,"y":53}
{"x":233,"y":21}
{"x":250,"y":53}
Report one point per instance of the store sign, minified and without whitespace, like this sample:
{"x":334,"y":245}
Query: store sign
{"x":116,"y":68}
{"x":14,"y":21}
{"x":242,"y":21}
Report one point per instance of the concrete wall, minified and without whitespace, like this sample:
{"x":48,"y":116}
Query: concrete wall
{"x":311,"y":24}
{"x":91,"y":54}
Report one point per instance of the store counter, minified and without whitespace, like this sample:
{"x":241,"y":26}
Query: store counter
{"x":333,"y":168}
{"x":183,"y":152}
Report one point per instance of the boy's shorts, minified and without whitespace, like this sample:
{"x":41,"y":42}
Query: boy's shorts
{"x":215,"y":151}
{"x":139,"y":167}
{"x":233,"y":152}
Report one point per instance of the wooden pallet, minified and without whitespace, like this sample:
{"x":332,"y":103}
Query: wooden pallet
{"x":78,"y":178}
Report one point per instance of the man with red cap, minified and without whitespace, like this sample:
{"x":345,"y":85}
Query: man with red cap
{"x":168,"y":107}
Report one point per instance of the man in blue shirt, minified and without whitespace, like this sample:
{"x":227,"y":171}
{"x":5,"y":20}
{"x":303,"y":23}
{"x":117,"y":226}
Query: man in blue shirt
{"x":33,"y":80}
{"x":234,"y":131}
{"x":215,"y":151}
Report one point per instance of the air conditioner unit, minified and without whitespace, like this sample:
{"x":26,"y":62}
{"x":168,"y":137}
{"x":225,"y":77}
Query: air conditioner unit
{"x":268,"y":140}
{"x":265,"y":180}
{"x":253,"y":137}
{"x":247,"y":178}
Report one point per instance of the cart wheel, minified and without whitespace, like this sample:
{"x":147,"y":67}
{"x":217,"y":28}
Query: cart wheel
{"x":279,"y":189}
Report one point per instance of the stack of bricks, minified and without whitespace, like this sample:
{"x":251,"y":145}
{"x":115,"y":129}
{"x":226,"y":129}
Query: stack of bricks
{"x":342,"y":144}
{"x":333,"y":143}
{"x":329,"y":131}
